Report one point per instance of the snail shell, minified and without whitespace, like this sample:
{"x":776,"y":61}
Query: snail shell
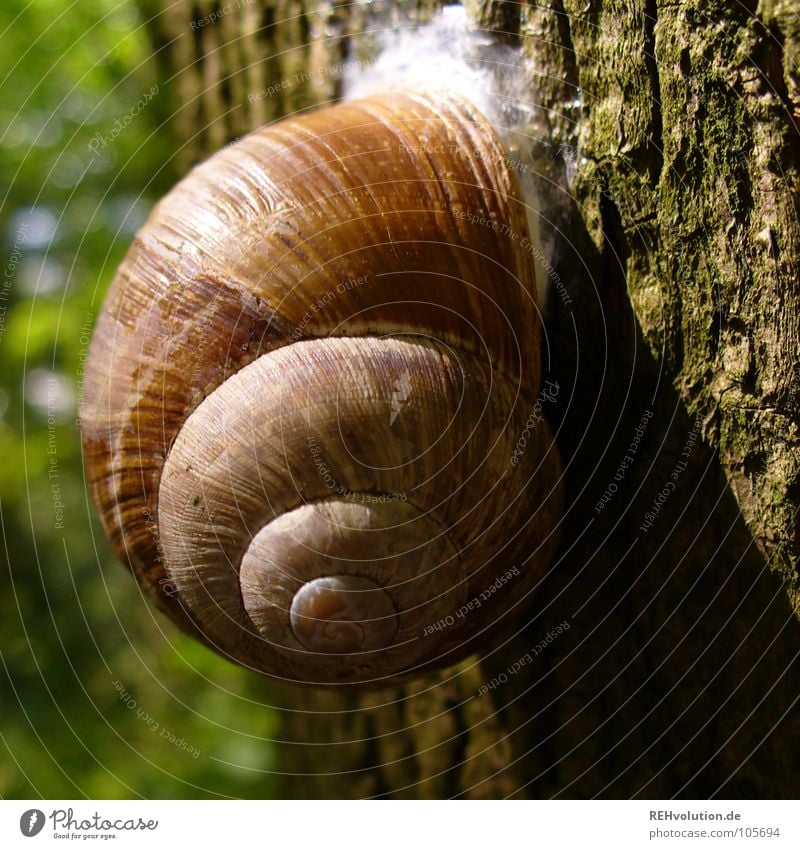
{"x":306,"y":388}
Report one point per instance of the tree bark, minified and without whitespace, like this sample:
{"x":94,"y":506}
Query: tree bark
{"x":667,"y":153}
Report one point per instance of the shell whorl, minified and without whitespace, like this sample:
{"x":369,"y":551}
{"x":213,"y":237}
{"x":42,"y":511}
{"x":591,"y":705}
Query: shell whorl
{"x":306,"y":388}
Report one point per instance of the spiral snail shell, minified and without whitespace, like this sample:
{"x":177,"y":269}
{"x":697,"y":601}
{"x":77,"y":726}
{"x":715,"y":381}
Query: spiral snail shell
{"x":306,"y":387}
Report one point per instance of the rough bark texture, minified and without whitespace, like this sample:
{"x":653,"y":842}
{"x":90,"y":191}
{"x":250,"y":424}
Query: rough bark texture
{"x":668,"y":151}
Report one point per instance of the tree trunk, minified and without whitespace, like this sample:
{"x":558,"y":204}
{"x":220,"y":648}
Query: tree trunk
{"x":667,"y":151}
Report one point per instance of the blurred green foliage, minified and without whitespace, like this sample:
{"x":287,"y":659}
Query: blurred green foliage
{"x":74,"y":627}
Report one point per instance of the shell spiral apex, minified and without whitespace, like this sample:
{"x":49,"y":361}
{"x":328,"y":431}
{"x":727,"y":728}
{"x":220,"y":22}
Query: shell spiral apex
{"x":305,"y":395}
